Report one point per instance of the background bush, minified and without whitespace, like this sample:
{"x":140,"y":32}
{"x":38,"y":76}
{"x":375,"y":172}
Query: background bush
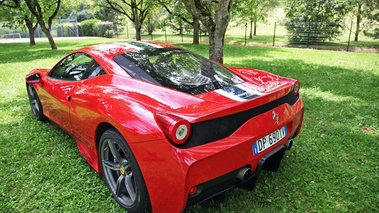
{"x":95,"y":27}
{"x":104,"y":29}
{"x":87,"y":27}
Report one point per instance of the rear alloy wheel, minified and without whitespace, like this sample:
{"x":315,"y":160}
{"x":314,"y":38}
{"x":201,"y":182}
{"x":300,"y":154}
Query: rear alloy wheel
{"x":121,"y":172}
{"x":35,"y":103}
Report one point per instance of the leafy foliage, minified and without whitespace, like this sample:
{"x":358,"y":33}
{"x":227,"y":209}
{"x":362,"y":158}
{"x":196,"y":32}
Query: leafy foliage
{"x":178,"y":17}
{"x":319,"y":20}
{"x":11,"y":13}
{"x":45,"y":11}
{"x":84,"y":15}
{"x":104,"y":29}
{"x":88,"y":27}
{"x":366,"y":15}
{"x":15,"y":14}
{"x":135,"y":10}
{"x":372,"y":15}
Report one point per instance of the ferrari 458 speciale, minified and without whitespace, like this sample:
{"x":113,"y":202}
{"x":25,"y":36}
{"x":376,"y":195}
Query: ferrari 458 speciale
{"x":165,"y":127}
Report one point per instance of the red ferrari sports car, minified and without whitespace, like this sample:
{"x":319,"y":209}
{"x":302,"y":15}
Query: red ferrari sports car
{"x":165,"y":127}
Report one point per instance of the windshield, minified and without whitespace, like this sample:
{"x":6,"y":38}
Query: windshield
{"x":177,"y":69}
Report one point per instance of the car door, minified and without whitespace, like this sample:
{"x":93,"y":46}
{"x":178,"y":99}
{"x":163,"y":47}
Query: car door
{"x":84,"y":113}
{"x":59,"y":86}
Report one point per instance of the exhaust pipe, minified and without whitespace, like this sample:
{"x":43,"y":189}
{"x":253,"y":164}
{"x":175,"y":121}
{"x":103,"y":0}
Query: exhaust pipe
{"x":289,"y":144}
{"x":244,"y":174}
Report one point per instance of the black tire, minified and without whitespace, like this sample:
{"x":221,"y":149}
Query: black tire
{"x":121,"y":172}
{"x":35,"y":103}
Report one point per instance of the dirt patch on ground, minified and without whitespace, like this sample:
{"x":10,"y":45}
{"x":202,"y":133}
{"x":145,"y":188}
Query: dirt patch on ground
{"x":368,"y":130}
{"x":374,"y":49}
{"x":366,"y":49}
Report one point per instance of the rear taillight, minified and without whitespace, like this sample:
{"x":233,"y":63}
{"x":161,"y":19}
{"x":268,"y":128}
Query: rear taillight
{"x":176,"y":129}
{"x":296,"y":87}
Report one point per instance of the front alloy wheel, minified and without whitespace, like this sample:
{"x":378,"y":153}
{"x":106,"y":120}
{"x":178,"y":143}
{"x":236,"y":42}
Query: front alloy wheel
{"x":35,"y":103}
{"x":121,"y":172}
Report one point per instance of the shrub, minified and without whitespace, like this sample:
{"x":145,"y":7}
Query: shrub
{"x":109,"y":34}
{"x":88,"y":27}
{"x":104,"y":29}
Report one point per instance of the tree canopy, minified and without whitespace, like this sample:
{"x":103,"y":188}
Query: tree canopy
{"x":136,"y":11}
{"x":17,"y":14}
{"x":366,"y":12}
{"x":321,"y":19}
{"x":45,"y":11}
{"x":179,"y":18}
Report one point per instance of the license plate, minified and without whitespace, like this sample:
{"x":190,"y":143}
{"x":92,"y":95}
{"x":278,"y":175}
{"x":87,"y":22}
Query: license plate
{"x":269,"y":140}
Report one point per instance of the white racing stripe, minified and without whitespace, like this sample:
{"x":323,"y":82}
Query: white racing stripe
{"x":230,"y":95}
{"x":132,"y":46}
{"x":239,"y":92}
{"x":252,"y":89}
{"x":146,"y":43}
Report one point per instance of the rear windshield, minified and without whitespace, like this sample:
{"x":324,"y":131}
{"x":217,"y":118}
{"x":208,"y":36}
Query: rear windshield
{"x":177,"y":69}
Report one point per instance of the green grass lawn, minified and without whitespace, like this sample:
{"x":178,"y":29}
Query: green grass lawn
{"x":332,"y":167}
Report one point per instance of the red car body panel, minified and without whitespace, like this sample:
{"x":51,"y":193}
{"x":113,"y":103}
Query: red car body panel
{"x":115,"y":99}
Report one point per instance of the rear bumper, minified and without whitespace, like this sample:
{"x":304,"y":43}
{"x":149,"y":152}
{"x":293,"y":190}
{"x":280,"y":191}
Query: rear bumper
{"x":170,"y":172}
{"x":243,"y":177}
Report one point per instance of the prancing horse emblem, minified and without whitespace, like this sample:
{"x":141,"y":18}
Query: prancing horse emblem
{"x":275,"y":116}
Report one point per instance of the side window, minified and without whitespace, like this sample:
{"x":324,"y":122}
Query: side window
{"x":77,"y":66}
{"x":93,"y":70}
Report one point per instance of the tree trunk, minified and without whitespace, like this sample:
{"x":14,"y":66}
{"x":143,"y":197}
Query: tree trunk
{"x":196,"y":30}
{"x":47,"y":32}
{"x":138,"y":33}
{"x":359,"y":12}
{"x":49,"y":37}
{"x":216,"y":43}
{"x":32,"y":40}
{"x":180,"y":28}
{"x":215,"y":47}
{"x":251,"y":30}
{"x":216,"y":23}
{"x":138,"y":26}
{"x":149,"y":26}
{"x":255,"y":28}
{"x":29,"y":25}
{"x":218,"y":30}
{"x":38,"y":12}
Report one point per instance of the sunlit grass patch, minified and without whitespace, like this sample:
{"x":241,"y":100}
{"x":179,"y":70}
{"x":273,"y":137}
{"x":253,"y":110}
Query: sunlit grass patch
{"x":329,"y":96}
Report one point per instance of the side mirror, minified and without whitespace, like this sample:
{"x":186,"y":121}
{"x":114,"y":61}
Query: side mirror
{"x":34,"y":79}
